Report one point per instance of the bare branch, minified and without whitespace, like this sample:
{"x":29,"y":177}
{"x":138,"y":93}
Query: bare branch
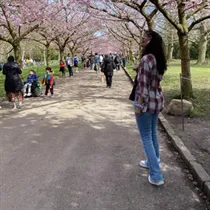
{"x":198,"y":21}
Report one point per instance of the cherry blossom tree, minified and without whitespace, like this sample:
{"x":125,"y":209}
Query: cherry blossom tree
{"x":204,"y":30}
{"x":18,"y":19}
{"x":187,"y":19}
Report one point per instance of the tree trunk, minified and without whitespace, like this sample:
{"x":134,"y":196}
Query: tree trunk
{"x":17,"y":53}
{"x":47,"y":50}
{"x":202,"y":49}
{"x":185,"y":66}
{"x":130,"y":52}
{"x":131,"y":57}
{"x":61,"y":53}
{"x":44,"y":55}
{"x":170,"y":47}
{"x":23,"y":55}
{"x":72,"y":51}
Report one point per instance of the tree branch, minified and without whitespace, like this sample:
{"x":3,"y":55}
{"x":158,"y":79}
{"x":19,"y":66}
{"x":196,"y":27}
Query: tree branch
{"x":202,"y":6}
{"x":198,"y":21}
{"x":165,"y":14}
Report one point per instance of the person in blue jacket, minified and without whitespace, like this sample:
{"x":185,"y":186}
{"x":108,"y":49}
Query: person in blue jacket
{"x":30,"y":79}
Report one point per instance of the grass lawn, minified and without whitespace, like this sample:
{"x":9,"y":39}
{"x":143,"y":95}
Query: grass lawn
{"x":200,"y":82}
{"x":40,"y":70}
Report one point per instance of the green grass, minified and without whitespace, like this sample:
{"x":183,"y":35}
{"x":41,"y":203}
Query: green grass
{"x":200,"y":82}
{"x":40,"y":70}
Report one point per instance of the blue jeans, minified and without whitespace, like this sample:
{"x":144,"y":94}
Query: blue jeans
{"x":147,"y":125}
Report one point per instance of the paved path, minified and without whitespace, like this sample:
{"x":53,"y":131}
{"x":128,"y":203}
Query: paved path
{"x":80,"y":150}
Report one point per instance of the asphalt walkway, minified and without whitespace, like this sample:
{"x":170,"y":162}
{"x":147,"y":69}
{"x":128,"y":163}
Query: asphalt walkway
{"x":80,"y":150}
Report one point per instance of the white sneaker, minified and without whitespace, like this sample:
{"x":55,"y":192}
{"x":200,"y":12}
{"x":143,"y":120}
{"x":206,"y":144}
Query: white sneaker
{"x":143,"y":164}
{"x":157,"y":183}
{"x":14,"y":107}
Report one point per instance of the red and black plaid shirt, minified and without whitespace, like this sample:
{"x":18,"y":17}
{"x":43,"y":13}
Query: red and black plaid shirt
{"x":148,"y":86}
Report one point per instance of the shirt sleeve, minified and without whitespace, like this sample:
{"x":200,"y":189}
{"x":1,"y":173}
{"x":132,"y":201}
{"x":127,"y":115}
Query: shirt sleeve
{"x":143,"y":79}
{"x":51,"y":79}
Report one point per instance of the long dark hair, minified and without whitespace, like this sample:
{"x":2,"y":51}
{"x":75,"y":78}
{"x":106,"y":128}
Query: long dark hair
{"x":156,"y":47}
{"x":11,"y":59}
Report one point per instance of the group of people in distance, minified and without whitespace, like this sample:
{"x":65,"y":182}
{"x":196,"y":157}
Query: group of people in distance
{"x":16,"y":90}
{"x":104,"y":65}
{"x":70,"y":63}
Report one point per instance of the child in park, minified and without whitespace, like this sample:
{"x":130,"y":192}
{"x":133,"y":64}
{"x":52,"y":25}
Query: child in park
{"x":48,"y":81}
{"x":30,"y":79}
{"x":62,"y":68}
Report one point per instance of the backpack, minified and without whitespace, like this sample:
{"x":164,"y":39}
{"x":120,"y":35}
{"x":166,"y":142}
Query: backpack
{"x":117,"y":59}
{"x":75,"y":60}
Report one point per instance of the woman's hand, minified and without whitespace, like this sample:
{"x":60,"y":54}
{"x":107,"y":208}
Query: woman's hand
{"x":138,"y":111}
{"x":135,"y":68}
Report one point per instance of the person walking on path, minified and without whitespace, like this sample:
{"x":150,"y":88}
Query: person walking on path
{"x":97,"y":63}
{"x":117,"y":62}
{"x":62,"y":68}
{"x":124,"y":61}
{"x":13,"y":84}
{"x":69,"y":64}
{"x":101,"y":60}
{"x":149,"y":101}
{"x":91,"y":61}
{"x":48,"y":81}
{"x":76,"y":62}
{"x":108,"y":67}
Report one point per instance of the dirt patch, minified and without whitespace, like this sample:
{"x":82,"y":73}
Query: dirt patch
{"x":196,"y":137}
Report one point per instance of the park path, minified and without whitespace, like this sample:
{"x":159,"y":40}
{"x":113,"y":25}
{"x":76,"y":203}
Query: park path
{"x":80,"y":150}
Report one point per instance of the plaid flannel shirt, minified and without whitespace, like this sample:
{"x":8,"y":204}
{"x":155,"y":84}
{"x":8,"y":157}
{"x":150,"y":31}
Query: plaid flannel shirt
{"x":148,"y":85}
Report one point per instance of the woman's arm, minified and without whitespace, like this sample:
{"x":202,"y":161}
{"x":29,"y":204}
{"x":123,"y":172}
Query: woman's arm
{"x":143,"y":83}
{"x":19,"y":70}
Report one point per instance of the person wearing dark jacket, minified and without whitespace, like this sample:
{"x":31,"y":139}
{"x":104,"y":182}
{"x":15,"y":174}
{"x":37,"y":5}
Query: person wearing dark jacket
{"x":117,"y":62}
{"x":13,"y":84}
{"x":108,"y":67}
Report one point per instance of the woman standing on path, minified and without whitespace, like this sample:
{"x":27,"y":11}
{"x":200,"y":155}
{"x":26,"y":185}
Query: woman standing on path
{"x":149,"y":101}
{"x":13,"y":84}
{"x":108,"y":67}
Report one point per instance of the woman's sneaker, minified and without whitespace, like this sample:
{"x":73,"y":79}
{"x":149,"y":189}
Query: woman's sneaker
{"x":143,"y":164}
{"x":14,"y":107}
{"x":157,"y":183}
{"x":20,"y":106}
